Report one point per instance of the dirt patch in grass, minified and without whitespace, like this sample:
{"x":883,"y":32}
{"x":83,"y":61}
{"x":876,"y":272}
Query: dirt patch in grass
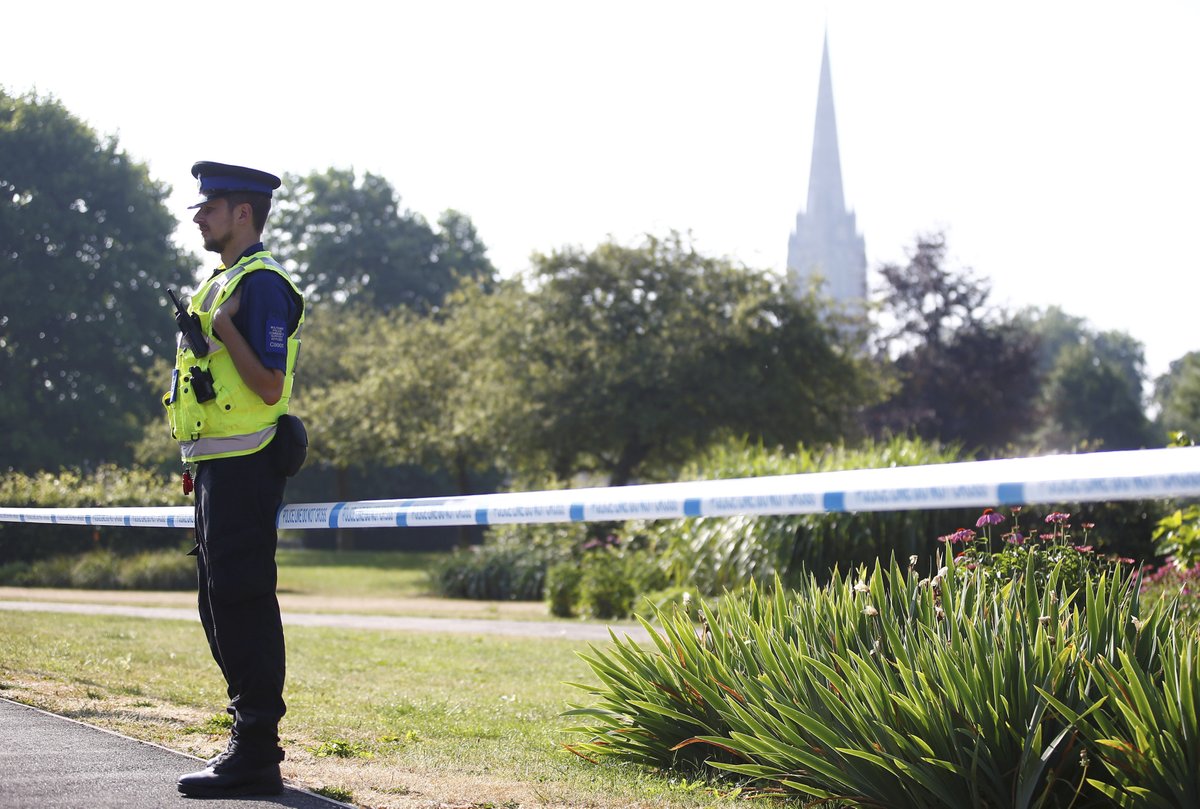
{"x":374,"y":784}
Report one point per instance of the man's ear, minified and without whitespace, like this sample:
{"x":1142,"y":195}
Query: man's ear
{"x":243,"y":214}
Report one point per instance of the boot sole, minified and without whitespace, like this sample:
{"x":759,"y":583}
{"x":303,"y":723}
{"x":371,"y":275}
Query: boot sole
{"x":240,"y":790}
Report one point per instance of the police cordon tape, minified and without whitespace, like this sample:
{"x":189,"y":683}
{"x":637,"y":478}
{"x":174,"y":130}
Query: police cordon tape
{"x":1053,"y":479}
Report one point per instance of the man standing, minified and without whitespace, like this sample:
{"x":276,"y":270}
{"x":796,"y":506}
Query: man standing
{"x":227,"y":396}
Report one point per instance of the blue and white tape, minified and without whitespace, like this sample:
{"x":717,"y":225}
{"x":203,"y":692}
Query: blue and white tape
{"x":1051,"y":480}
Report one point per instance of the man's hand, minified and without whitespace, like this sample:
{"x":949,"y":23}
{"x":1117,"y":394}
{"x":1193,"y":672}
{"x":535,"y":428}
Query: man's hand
{"x":266,"y":382}
{"x":228,"y":309}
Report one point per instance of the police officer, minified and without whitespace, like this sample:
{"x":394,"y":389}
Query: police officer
{"x":226,"y":399}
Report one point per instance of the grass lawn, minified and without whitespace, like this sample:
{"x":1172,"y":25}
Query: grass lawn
{"x":384,"y":574}
{"x":394,"y":719}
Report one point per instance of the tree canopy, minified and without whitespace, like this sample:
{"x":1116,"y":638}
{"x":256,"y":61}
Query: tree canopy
{"x":619,"y":361}
{"x":1088,"y":400}
{"x":965,"y":370}
{"x":347,"y":239}
{"x":1091,"y":384}
{"x":1177,"y":394}
{"x":85,"y":255}
{"x":632,"y":358}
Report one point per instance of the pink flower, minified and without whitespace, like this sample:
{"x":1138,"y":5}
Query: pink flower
{"x":1084,"y":548}
{"x":963,"y":535}
{"x":1057,"y":517}
{"x":1015,"y":538}
{"x":989,"y":517}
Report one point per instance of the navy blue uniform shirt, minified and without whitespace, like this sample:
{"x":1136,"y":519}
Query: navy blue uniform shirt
{"x":267,"y":314}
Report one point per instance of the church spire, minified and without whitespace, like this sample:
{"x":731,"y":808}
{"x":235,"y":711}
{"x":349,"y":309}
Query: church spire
{"x":826,"y":242}
{"x":825,"y":196}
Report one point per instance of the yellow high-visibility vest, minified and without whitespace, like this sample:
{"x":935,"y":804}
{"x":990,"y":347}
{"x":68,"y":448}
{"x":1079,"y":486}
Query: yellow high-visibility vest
{"x":235,"y":421}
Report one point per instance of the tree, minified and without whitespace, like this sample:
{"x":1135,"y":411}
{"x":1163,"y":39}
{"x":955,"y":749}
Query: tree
{"x":1091,"y":390}
{"x":1177,"y":394}
{"x":401,"y":388}
{"x":927,"y":303}
{"x":85,"y":255}
{"x":462,"y":397}
{"x":346,"y":238}
{"x":965,"y":371}
{"x":1088,"y":401}
{"x":633,"y":358}
{"x":460,"y":252}
{"x":395,"y":389}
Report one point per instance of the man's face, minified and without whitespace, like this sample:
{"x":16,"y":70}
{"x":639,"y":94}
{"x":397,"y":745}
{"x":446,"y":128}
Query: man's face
{"x":215,"y":219}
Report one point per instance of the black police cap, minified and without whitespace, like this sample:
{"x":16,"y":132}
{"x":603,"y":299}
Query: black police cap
{"x":219,"y":179}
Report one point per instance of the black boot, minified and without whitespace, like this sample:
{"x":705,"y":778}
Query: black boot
{"x":232,"y":774}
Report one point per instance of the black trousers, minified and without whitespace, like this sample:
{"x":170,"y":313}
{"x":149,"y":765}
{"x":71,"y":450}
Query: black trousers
{"x":237,"y":500}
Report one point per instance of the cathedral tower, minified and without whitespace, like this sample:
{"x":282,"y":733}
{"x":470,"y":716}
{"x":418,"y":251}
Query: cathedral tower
{"x":826,"y":241}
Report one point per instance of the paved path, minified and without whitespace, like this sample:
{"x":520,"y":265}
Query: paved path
{"x":470,"y":626}
{"x":49,"y":762}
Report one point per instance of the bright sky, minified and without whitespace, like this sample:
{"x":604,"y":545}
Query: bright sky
{"x":1056,"y":143}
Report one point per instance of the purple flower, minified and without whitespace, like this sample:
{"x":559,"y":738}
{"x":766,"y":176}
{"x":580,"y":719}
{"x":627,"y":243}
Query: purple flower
{"x":1057,"y":517}
{"x":1015,"y":538}
{"x":961,"y":535}
{"x":989,"y":517}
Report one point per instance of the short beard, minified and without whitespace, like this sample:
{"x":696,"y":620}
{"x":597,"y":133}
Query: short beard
{"x":213,"y":245}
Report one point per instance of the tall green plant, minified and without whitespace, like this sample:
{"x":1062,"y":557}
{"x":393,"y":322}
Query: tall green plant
{"x":1147,"y":740}
{"x":883,"y":690}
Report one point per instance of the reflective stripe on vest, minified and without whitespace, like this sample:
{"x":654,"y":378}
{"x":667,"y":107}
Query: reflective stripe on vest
{"x":229,"y":446}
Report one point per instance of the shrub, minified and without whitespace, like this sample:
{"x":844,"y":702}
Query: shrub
{"x":164,"y":570}
{"x":105,"y":570}
{"x":95,"y":571}
{"x":1177,"y":536}
{"x":610,"y":576}
{"x":562,"y":588}
{"x":606,"y":589}
{"x":961,"y":689}
{"x":106,"y":486}
{"x":492,"y":572}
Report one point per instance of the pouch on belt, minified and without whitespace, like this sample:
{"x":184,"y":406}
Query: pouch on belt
{"x":290,"y":445}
